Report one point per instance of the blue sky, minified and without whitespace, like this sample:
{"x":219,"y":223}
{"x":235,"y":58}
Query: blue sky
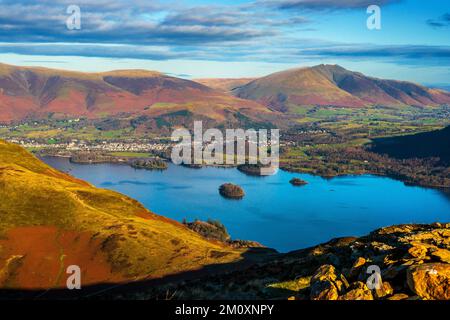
{"x":244,"y":38}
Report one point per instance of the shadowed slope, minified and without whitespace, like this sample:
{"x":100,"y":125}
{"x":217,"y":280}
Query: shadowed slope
{"x":434,"y":144}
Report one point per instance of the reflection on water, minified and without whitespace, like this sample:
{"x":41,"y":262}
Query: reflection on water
{"x":273,"y":212}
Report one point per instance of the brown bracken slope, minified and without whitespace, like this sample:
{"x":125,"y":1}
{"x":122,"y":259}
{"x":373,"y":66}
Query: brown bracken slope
{"x":50,"y":220}
{"x":332,"y":85}
{"x":34,"y":93}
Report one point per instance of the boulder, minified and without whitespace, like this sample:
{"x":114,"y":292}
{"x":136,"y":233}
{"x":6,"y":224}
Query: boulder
{"x":399,"y":296}
{"x":356,"y":268}
{"x":384,"y":291}
{"x":341,"y":284}
{"x":326,"y":272}
{"x":418,"y":251}
{"x":357,"y":291}
{"x":430,"y":281}
{"x":442,"y":255}
{"x":324,"y":290}
{"x":322,"y":284}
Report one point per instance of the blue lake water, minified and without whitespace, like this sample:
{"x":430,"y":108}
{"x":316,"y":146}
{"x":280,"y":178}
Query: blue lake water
{"x":273,"y":211}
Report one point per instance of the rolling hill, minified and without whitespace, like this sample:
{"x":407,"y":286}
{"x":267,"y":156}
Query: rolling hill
{"x":35,"y":93}
{"x":224,"y":84}
{"x":332,"y":85}
{"x":50,"y":220}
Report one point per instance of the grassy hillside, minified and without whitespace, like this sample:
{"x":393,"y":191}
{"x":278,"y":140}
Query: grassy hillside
{"x":332,"y":85}
{"x":224,"y":84}
{"x":50,"y":220}
{"x":41,"y":93}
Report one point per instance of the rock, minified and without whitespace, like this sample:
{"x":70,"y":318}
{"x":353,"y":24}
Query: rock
{"x":356,"y":268}
{"x":342,"y":284}
{"x":322,"y":284}
{"x":393,"y":272}
{"x":442,"y":255}
{"x":418,"y":251}
{"x":430,"y":281}
{"x":395,"y":229}
{"x":344,"y":281}
{"x":357,"y":291}
{"x":445,"y":233}
{"x":399,"y":296}
{"x":414,"y":298}
{"x":389,"y":260}
{"x":380,"y":247}
{"x":326,"y":272}
{"x":324,"y":290}
{"x":384,"y":291}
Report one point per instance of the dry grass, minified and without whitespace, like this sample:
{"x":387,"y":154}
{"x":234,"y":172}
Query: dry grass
{"x":136,"y":243}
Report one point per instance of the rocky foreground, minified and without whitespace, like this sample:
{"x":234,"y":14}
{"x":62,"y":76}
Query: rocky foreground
{"x":414,"y":264}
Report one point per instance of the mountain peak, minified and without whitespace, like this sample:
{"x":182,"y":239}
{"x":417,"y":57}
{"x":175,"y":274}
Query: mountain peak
{"x":333,"y":85}
{"x":36,"y":93}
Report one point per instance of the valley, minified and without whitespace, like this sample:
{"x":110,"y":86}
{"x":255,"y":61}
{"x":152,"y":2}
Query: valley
{"x":105,"y":139}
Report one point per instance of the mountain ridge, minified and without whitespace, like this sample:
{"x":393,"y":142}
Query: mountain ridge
{"x":35,"y":93}
{"x":333,"y":85}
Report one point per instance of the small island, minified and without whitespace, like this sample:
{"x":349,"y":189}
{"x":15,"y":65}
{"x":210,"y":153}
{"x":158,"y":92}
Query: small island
{"x":150,"y":164}
{"x":231,"y":191}
{"x":298,"y":182}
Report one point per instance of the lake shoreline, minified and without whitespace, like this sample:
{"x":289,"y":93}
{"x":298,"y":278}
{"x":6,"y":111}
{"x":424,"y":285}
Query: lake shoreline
{"x":355,"y":204}
{"x":128,"y":161}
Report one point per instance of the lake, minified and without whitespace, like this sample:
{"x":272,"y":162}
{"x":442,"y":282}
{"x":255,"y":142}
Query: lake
{"x":273,"y":212}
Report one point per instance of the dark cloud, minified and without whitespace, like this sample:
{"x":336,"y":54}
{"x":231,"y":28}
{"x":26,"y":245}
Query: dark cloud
{"x":138,"y":23}
{"x":327,"y":4}
{"x":305,"y":50}
{"x":411,"y":51}
{"x":170,"y":30}
{"x":441,"y":22}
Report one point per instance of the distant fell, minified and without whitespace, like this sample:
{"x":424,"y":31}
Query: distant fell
{"x":333,"y":85}
{"x":29,"y":93}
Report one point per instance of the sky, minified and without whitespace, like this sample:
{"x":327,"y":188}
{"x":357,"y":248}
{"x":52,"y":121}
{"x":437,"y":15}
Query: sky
{"x":231,"y":39}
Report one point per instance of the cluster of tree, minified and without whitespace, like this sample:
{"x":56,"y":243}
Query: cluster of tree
{"x":149,"y":164}
{"x":332,"y":161}
{"x":211,"y":229}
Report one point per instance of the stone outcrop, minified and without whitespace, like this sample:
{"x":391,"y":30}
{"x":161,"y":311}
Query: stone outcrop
{"x":405,"y":262}
{"x":430,"y":280}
